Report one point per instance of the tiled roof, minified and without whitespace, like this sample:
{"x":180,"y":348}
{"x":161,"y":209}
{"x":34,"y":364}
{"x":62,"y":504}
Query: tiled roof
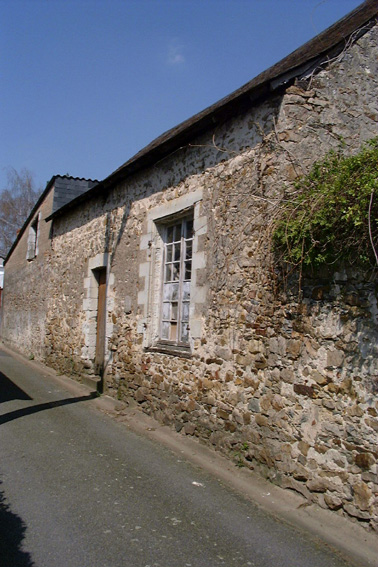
{"x":68,"y":188}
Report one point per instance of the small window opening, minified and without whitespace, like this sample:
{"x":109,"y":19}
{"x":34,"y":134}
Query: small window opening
{"x":33,"y":240}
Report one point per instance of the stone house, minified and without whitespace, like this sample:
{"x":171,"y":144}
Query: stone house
{"x":26,"y":269}
{"x":159,"y":281}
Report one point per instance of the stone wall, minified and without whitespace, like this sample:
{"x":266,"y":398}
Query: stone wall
{"x":282,"y":380}
{"x":24,"y":295}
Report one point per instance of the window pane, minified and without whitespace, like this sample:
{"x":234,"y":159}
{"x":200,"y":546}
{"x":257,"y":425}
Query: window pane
{"x":168,"y":272}
{"x":185,"y":312}
{"x":177,"y":232}
{"x":168,"y":253}
{"x":166,"y":310}
{"x":189,"y":229}
{"x":188,"y":251}
{"x":173,"y":332}
{"x":170,"y":234}
{"x":170,"y":292}
{"x":175,"y":271}
{"x":185,"y":332}
{"x":174,"y":311}
{"x":166,"y":292}
{"x":175,"y":291}
{"x":188,"y":270}
{"x":177,"y":252}
{"x":186,"y":291}
{"x":165,"y":328}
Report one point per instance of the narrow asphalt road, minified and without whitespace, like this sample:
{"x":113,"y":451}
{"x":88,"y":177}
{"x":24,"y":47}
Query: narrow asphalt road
{"x":79,"y":489}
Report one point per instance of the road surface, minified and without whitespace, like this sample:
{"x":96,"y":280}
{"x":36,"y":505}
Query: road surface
{"x":79,"y":489}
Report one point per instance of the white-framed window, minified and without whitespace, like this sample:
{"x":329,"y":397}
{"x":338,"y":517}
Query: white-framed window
{"x":32,"y":250}
{"x":176,"y":282}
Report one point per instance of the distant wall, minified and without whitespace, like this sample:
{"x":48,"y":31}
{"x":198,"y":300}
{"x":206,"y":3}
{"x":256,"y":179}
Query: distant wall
{"x":25,"y":294}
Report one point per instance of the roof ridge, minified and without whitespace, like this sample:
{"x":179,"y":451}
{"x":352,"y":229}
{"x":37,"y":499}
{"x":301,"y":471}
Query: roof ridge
{"x":76,"y":178}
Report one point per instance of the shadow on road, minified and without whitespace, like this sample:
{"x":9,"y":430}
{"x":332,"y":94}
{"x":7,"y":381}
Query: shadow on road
{"x":41,"y":407}
{"x":12,"y":532}
{"x":10,"y":391}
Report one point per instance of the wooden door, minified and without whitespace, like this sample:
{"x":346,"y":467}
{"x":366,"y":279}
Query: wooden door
{"x":101,"y":321}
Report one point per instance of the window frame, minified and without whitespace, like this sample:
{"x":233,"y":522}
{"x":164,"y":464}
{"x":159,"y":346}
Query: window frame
{"x":186,"y":222}
{"x":150,"y":272}
{"x":32,"y":242}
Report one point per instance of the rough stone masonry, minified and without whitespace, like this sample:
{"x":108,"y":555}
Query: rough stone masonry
{"x":282,"y":379}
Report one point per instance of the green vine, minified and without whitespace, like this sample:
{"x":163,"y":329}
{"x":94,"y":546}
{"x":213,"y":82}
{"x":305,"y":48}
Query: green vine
{"x":333,"y":217}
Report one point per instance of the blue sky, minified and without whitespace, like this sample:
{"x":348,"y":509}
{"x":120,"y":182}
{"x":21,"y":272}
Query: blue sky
{"x":86,"y":84}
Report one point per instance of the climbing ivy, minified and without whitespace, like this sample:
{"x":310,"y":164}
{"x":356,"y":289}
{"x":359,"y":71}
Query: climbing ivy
{"x":332,"y":218}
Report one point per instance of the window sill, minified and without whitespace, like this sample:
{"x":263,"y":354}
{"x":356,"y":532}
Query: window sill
{"x":172,"y":350}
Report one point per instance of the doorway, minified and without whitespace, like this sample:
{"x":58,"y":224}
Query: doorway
{"x":100,"y":275}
